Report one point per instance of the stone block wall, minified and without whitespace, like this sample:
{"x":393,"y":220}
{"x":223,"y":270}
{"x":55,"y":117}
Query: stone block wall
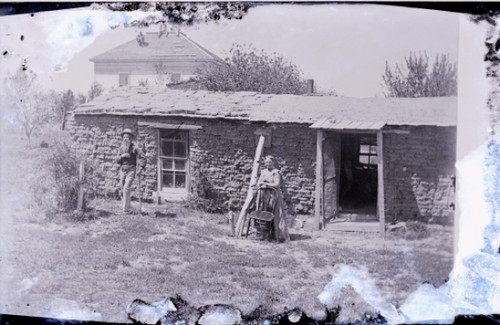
{"x":221,"y":156}
{"x":418,"y":167}
{"x":419,"y":174}
{"x":98,"y":139}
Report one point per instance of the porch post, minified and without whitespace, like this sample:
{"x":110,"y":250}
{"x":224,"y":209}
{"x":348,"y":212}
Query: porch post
{"x":380,"y":181}
{"x":318,"y":202}
{"x":158,"y":167}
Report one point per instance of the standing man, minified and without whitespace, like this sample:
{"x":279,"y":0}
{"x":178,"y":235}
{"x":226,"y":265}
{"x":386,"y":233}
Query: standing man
{"x":131,"y":160}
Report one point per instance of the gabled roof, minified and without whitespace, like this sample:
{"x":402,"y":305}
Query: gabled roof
{"x":251,"y":106}
{"x":170,"y":46}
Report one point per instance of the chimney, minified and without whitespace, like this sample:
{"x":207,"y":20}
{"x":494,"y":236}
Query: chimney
{"x":310,"y":86}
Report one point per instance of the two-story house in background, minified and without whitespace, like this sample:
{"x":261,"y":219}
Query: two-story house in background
{"x":153,"y":58}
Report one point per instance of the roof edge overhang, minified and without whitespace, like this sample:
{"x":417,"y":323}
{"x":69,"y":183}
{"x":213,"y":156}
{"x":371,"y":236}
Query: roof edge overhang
{"x":209,"y":117}
{"x":313,"y":125}
{"x":333,"y":125}
{"x":153,"y":60}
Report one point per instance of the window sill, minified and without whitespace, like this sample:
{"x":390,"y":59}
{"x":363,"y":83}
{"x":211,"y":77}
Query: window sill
{"x":172,"y":195}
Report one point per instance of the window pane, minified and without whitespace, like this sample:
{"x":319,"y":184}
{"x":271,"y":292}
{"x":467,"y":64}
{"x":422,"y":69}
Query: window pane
{"x":175,"y":77}
{"x":123,"y":79}
{"x":373,"y":150}
{"x":167,"y":148}
{"x":180,"y":165}
{"x":180,"y":180}
{"x":168,"y":179}
{"x":168,"y":134}
{"x":363,"y":159}
{"x":180,"y":149}
{"x":167,"y":164}
{"x":173,"y":134}
{"x":364,"y":148}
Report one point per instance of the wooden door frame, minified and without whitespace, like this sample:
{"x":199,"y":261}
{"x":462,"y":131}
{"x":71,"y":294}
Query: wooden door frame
{"x":319,"y":192}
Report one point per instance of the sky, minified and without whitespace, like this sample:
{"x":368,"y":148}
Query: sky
{"x":344,"y":48}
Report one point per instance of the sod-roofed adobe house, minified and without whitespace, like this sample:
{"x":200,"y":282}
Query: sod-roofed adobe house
{"x":379,"y":159}
{"x":153,"y":58}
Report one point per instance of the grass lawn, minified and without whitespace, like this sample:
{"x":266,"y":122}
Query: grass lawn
{"x":93,"y":269}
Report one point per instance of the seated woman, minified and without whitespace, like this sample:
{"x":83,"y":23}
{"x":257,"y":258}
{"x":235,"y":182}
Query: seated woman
{"x":270,"y":198}
{"x":270,"y":179}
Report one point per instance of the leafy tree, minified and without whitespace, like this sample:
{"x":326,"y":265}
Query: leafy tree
{"x":247,"y":69}
{"x":28,"y":105}
{"x":415,"y":79}
{"x":161,"y":74}
{"x":82,"y":99}
{"x":64,"y":102}
{"x":96,"y":89}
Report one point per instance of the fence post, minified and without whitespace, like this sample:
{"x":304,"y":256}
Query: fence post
{"x":80,"y":189}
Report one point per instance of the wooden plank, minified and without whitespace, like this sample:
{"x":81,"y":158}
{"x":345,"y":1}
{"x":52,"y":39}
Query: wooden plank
{"x":397,"y":131}
{"x":326,"y":122}
{"x":318,"y":201}
{"x":252,"y":189}
{"x":79,"y":206}
{"x":368,"y":227}
{"x":341,"y":124}
{"x":378,"y":125}
{"x":338,"y":161}
{"x":380,"y":181}
{"x":322,"y":123}
{"x":356,"y":131}
{"x":160,"y":178}
{"x":256,"y":162}
{"x":365,"y":125}
{"x":178,"y":126}
{"x":232,"y":223}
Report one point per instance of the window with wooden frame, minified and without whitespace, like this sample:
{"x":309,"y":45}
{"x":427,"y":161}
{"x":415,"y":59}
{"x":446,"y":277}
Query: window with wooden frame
{"x":123,"y":79}
{"x":175,"y":78}
{"x":173,"y":160}
{"x":368,"y":152}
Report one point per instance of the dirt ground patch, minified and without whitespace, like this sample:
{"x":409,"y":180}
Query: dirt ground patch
{"x":93,"y":269}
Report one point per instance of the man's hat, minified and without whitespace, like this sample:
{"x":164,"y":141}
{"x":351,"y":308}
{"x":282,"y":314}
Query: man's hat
{"x":128,"y":131}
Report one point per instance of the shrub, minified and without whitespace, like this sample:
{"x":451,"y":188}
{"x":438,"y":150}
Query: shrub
{"x":416,"y":230}
{"x":410,"y":230}
{"x":206,"y":198}
{"x":56,"y":187}
{"x":196,"y":202}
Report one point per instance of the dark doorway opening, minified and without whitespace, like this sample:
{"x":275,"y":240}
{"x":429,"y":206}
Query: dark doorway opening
{"x":358,"y":176}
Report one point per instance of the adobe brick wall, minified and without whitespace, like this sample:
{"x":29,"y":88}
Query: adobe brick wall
{"x":419,"y":174}
{"x":221,"y":156}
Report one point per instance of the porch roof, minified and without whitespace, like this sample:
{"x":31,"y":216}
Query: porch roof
{"x":334,"y":124}
{"x":252,"y":106}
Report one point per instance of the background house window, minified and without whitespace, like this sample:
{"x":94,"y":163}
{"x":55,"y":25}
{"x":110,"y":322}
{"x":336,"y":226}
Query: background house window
{"x":123,"y":79}
{"x":175,"y":78}
{"x":368,"y":153}
{"x":173,"y":159}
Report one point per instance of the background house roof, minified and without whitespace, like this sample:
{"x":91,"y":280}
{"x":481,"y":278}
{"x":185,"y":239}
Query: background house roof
{"x":171,"y":46}
{"x":252,"y":106}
